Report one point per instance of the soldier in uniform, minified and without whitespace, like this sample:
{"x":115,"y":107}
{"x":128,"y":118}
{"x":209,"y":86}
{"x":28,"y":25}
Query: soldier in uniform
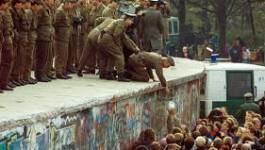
{"x":112,"y":41}
{"x":151,"y":28}
{"x":91,"y":44}
{"x":44,"y":40}
{"x":7,"y":58}
{"x":96,"y":12}
{"x":62,"y":35}
{"x":22,"y":26}
{"x":51,"y":55}
{"x":139,"y":67}
{"x":111,"y":10}
{"x":77,"y":20}
{"x":32,"y":36}
{"x":1,"y":34}
{"x":85,"y":9}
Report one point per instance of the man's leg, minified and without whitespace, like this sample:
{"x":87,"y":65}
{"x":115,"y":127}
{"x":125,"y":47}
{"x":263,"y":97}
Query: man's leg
{"x":6,"y":65}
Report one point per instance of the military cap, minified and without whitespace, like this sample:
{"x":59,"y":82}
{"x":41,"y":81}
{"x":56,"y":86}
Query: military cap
{"x":154,"y":0}
{"x":171,"y":61}
{"x":248,"y":95}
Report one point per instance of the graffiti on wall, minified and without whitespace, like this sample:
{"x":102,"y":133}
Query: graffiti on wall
{"x":110,"y":126}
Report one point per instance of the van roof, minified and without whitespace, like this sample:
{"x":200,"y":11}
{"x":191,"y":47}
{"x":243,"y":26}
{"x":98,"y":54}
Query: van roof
{"x":232,"y":66}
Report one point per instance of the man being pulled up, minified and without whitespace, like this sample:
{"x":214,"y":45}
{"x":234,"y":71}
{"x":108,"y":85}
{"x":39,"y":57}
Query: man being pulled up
{"x":139,"y":67}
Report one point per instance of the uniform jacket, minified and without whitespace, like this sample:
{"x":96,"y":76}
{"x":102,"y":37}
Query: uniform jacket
{"x":109,"y":12}
{"x":45,"y":28}
{"x":151,"y":60}
{"x":33,"y":20}
{"x":151,"y":28}
{"x":62,"y":25}
{"x":8,"y":27}
{"x":117,"y":30}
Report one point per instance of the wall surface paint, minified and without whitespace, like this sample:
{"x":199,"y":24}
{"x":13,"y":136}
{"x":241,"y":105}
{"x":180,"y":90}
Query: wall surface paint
{"x":110,"y":126}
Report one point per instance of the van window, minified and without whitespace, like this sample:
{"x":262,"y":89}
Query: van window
{"x":238,"y":83}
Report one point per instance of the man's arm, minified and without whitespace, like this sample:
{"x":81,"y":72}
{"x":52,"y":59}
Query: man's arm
{"x":160,"y":75}
{"x":129,"y":44}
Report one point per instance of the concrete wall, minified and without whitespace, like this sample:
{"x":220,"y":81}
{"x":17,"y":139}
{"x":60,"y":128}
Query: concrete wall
{"x":110,"y":126}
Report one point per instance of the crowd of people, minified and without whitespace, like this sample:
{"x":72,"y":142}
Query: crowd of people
{"x":56,"y":38}
{"x":218,"y":131}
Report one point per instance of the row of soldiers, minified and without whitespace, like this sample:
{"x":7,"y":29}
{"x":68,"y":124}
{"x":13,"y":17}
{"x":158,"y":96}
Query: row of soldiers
{"x":58,"y":38}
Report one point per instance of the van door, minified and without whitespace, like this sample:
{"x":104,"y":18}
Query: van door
{"x":238,"y":83}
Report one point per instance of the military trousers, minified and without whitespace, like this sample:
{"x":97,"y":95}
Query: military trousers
{"x":61,"y":56}
{"x":113,"y":52}
{"x":50,"y":59}
{"x":73,"y":48}
{"x":42,"y":53}
{"x":30,"y":55}
{"x":136,"y":71}
{"x":7,"y":61}
{"x":20,"y":57}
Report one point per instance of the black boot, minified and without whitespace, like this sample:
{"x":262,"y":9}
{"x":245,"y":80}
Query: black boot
{"x":43,"y":79}
{"x":11,"y":84}
{"x":79,"y":73}
{"x":61,"y":76}
{"x":109,"y":76}
{"x":122,"y":78}
{"x":102,"y":74}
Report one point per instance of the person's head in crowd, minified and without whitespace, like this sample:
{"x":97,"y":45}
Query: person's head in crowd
{"x":248,"y":125}
{"x":246,"y":146}
{"x":203,"y":122}
{"x":196,"y":134}
{"x":217,"y":143}
{"x":200,"y":143}
{"x":225,"y":147}
{"x":170,"y":138}
{"x":228,"y":141}
{"x":216,"y":114}
{"x":262,"y":140}
{"x":217,"y":126}
{"x":176,"y":130}
{"x":189,"y":142}
{"x":247,"y":139}
{"x":242,"y":132}
{"x":179,"y":138}
{"x":149,"y":136}
{"x":184,"y":129}
{"x":227,"y":124}
{"x":248,"y":97}
{"x":155,"y":146}
{"x":141,"y":137}
{"x":204,"y":131}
